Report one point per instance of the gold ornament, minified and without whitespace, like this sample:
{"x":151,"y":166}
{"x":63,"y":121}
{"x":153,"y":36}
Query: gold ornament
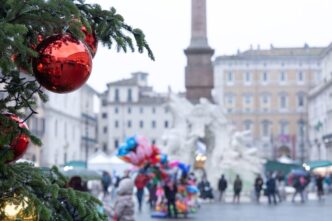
{"x":13,"y":209}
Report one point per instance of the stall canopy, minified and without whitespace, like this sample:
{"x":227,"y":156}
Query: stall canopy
{"x":285,"y":168}
{"x":111,"y":164}
{"x":318,"y":164}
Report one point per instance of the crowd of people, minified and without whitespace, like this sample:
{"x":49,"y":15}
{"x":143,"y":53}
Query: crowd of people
{"x":274,"y":187}
{"x":118,"y":192}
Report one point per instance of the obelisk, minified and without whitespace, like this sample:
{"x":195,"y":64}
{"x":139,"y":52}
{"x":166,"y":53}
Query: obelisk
{"x":199,"y":69}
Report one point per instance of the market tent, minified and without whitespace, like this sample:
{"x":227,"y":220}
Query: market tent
{"x":285,"y":168}
{"x":318,"y":164}
{"x":101,"y":161}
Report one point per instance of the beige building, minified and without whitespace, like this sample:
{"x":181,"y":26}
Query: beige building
{"x":265,"y":91}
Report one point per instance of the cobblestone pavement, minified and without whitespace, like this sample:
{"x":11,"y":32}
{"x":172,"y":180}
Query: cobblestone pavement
{"x":312,"y":210}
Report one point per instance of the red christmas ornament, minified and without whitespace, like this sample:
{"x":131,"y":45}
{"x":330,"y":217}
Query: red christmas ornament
{"x":64,"y":63}
{"x":20,"y":143}
{"x":90,"y":40}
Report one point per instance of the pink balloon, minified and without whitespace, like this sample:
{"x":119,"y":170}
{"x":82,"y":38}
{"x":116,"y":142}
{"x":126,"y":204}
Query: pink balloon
{"x":140,"y":153}
{"x":173,"y":163}
{"x":133,"y":158}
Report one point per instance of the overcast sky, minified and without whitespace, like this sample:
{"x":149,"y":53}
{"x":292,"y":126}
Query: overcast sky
{"x":232,"y":25}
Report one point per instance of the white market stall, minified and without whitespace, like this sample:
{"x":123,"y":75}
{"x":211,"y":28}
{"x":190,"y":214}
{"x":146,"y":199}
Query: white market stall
{"x":102,"y":161}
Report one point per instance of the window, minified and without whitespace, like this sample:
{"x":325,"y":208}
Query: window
{"x":153,"y":142}
{"x":129,"y":110}
{"x":56,"y":128}
{"x":141,"y":124}
{"x":153,"y":124}
{"x":116,"y":124}
{"x":153,"y":110}
{"x":105,"y":147}
{"x":129,"y":123}
{"x":265,"y":128}
{"x":301,"y":128}
{"x":141,"y":110}
{"x":247,"y":78}
{"x":247,"y":98}
{"x":166,"y":124}
{"x":229,"y":77}
{"x":265,"y":99}
{"x":105,"y":129}
{"x":300,"y":77}
{"x":166,"y":109}
{"x":264,"y":77}
{"x":130,"y":97}
{"x":300,"y":100}
{"x":65,"y":130}
{"x":116,"y":143}
{"x":116,"y":110}
{"x":284,"y":128}
{"x":230,"y":99}
{"x":283,"y":77}
{"x":116,"y":95}
{"x":283,"y":102}
{"x":247,"y":125}
{"x":104,"y":115}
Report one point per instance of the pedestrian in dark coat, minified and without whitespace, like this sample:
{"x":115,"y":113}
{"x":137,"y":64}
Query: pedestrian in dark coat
{"x":271,"y":189}
{"x":237,"y":189}
{"x":170,"y":190}
{"x":222,"y":186}
{"x":258,"y":187}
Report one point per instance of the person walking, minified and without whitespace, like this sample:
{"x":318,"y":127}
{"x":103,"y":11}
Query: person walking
{"x":258,"y":187}
{"x":124,"y":204}
{"x":106,"y":181}
{"x":140,"y":182}
{"x":271,"y":189}
{"x":222,"y":186}
{"x":170,"y":190}
{"x":299,"y":185}
{"x":237,"y":189}
{"x":319,"y":186}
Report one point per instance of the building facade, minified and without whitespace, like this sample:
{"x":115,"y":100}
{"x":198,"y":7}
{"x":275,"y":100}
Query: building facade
{"x":320,"y":113}
{"x":67,"y":127}
{"x":265,"y":91}
{"x":130,"y":107}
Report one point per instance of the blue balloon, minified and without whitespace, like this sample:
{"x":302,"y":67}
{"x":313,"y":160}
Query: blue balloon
{"x":163,"y":158}
{"x":131,"y":143}
{"x":184,"y":168}
{"x":122,"y":150}
{"x":192,"y":189}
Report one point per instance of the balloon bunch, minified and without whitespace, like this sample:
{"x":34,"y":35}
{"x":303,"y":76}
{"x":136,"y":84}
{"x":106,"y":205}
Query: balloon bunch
{"x":137,"y":151}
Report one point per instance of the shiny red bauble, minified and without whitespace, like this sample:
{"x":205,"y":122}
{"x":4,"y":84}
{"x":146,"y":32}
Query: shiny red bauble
{"x":20,"y":143}
{"x":64,"y":63}
{"x":90,"y":40}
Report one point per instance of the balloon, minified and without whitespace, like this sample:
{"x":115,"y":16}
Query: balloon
{"x":133,"y":158}
{"x":122,"y":150}
{"x":140,"y":154}
{"x":184,"y":168}
{"x":131,"y":143}
{"x":192,"y":189}
{"x":163,"y":159}
{"x":64,"y":63}
{"x":173,"y":163}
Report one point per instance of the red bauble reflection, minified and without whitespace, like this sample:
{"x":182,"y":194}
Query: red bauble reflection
{"x":20,"y":143}
{"x":90,"y":40}
{"x":64,"y":63}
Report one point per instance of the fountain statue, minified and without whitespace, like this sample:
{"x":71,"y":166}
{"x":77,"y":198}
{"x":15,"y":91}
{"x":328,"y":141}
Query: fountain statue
{"x":227,"y":151}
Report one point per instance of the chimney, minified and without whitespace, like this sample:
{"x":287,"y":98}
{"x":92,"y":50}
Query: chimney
{"x":258,"y":47}
{"x":251,"y":47}
{"x":238,"y":51}
{"x":271,"y":46}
